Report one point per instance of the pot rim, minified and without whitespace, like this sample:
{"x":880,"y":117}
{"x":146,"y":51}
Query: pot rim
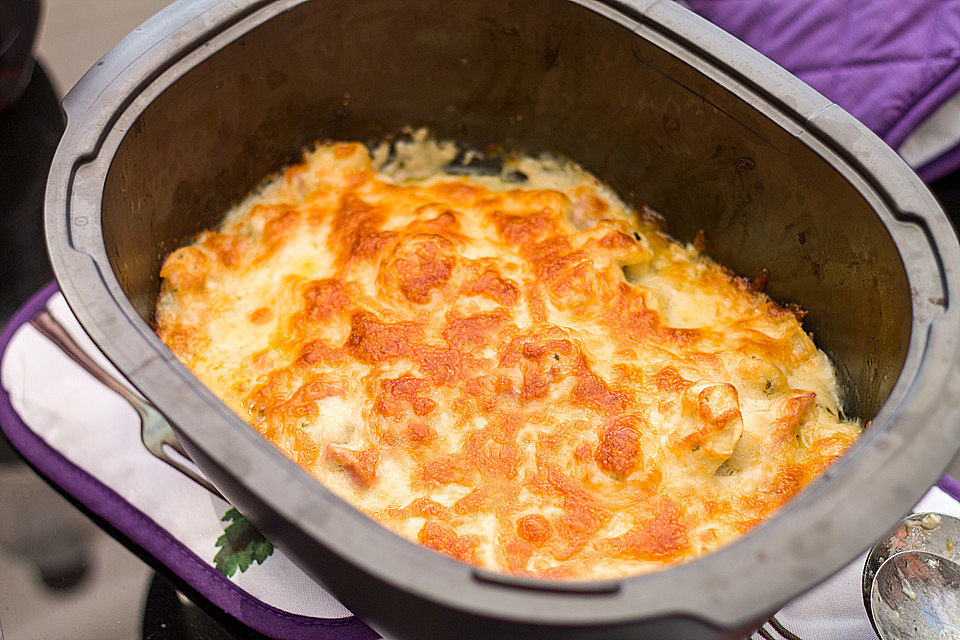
{"x":911,"y":440}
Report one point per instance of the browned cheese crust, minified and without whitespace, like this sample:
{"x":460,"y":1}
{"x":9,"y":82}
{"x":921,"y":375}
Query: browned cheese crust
{"x":527,"y":379}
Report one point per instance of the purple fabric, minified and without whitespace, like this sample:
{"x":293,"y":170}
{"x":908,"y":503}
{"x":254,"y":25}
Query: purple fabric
{"x":890,"y":63}
{"x":150,"y":536}
{"x":950,"y":486}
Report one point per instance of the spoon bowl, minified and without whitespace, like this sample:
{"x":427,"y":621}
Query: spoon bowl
{"x":916,"y":595}
{"x":926,"y":531}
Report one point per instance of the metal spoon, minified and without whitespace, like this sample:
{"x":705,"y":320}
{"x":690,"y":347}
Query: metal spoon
{"x":933,"y":532}
{"x":916,"y":594}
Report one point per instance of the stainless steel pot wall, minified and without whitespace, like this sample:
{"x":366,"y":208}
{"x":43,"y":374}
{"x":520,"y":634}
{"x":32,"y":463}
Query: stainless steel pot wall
{"x":190,"y":111}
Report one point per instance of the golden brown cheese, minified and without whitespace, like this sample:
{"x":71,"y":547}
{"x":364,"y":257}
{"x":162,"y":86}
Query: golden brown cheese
{"x":526,"y":379}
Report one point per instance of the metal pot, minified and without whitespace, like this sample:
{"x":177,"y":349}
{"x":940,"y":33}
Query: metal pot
{"x":190,"y":111}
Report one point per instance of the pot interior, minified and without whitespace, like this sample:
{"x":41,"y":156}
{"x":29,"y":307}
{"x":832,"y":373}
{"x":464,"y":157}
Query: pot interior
{"x":551,"y":75}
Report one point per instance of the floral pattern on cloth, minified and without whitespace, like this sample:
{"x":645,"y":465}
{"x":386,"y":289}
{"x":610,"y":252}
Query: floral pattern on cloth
{"x":240,"y":545}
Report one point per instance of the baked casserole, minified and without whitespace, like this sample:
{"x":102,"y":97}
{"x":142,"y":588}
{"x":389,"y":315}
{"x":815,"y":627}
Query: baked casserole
{"x":515,"y":370}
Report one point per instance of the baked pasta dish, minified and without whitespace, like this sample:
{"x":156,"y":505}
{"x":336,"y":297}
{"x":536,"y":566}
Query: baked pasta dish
{"x":513,"y":369}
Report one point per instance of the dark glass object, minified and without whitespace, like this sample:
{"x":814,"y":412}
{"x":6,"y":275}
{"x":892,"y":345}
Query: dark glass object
{"x":169,"y":615}
{"x":29,"y":131}
{"x":18,"y":27}
{"x":30,"y":127}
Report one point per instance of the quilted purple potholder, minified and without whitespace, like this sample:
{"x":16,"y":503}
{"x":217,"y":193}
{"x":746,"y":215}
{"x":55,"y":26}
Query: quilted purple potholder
{"x":892,"y":64}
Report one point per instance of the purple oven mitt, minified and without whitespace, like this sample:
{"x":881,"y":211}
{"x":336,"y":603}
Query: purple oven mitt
{"x":893,"y":64}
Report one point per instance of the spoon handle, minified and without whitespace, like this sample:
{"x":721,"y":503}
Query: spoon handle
{"x":155,"y":432}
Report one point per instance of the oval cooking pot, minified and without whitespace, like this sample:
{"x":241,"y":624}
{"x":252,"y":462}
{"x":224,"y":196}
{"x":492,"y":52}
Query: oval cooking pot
{"x":194,"y":108}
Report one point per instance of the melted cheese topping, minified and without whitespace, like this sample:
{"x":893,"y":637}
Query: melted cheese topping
{"x":533,"y":379}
